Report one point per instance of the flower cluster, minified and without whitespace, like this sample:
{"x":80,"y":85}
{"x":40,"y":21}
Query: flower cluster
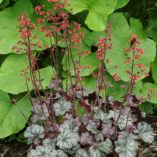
{"x":104,"y":44}
{"x":134,"y":53}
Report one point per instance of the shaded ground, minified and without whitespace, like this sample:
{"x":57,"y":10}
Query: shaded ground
{"x":17,"y":149}
{"x":13,"y":149}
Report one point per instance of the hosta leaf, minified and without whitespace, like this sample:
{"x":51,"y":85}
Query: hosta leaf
{"x":82,"y":153}
{"x":120,"y":42}
{"x":126,"y":146}
{"x":105,"y":147}
{"x":145,"y":132}
{"x":13,"y":116}
{"x":67,"y":139}
{"x":61,"y":107}
{"x":11,"y":80}
{"x":98,"y":10}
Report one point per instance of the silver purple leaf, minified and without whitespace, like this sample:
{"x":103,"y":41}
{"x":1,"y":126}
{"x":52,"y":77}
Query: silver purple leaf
{"x":61,"y":107}
{"x":86,"y":139}
{"x":145,"y":132}
{"x":126,"y":146}
{"x":67,"y":139}
{"x":34,"y":133}
{"x":92,"y":127}
{"x":40,"y":111}
{"x":105,"y":146}
{"x":42,"y":151}
{"x":93,"y":152}
{"x":60,"y":153}
{"x":81,"y":153}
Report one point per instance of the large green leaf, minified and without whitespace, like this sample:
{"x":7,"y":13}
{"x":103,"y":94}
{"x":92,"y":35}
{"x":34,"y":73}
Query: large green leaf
{"x":11,"y":80}
{"x":13,"y":116}
{"x":3,"y":4}
{"x":9,"y":34}
{"x":152,"y":29}
{"x":117,"y":55}
{"x":120,"y":88}
{"x":121,"y":3}
{"x":88,"y":64}
{"x":89,"y":60}
{"x":98,"y":11}
{"x":151,"y":89}
{"x":154,"y":70}
{"x":9,"y":20}
{"x":147,"y":107}
{"x":91,"y":39}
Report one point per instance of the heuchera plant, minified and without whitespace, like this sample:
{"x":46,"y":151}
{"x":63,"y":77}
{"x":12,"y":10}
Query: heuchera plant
{"x":67,"y":120}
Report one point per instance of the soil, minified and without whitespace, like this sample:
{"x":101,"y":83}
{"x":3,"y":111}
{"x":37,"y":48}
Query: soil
{"x":13,"y":149}
{"x":18,"y":149}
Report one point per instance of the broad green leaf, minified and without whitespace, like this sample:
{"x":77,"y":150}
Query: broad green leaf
{"x":91,"y":39}
{"x":121,"y":3}
{"x":152,"y":29}
{"x":149,"y":92}
{"x":13,"y":116}
{"x":3,"y":4}
{"x":154,"y":70}
{"x":9,"y":35}
{"x":147,"y":107}
{"x":80,"y":111}
{"x":137,"y":28}
{"x":120,"y":41}
{"x":98,"y":11}
{"x":11,"y":80}
{"x":119,"y":89}
{"x":85,"y":60}
{"x":88,"y":63}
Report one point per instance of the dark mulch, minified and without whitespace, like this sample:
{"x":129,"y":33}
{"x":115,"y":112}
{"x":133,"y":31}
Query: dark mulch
{"x":13,"y":149}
